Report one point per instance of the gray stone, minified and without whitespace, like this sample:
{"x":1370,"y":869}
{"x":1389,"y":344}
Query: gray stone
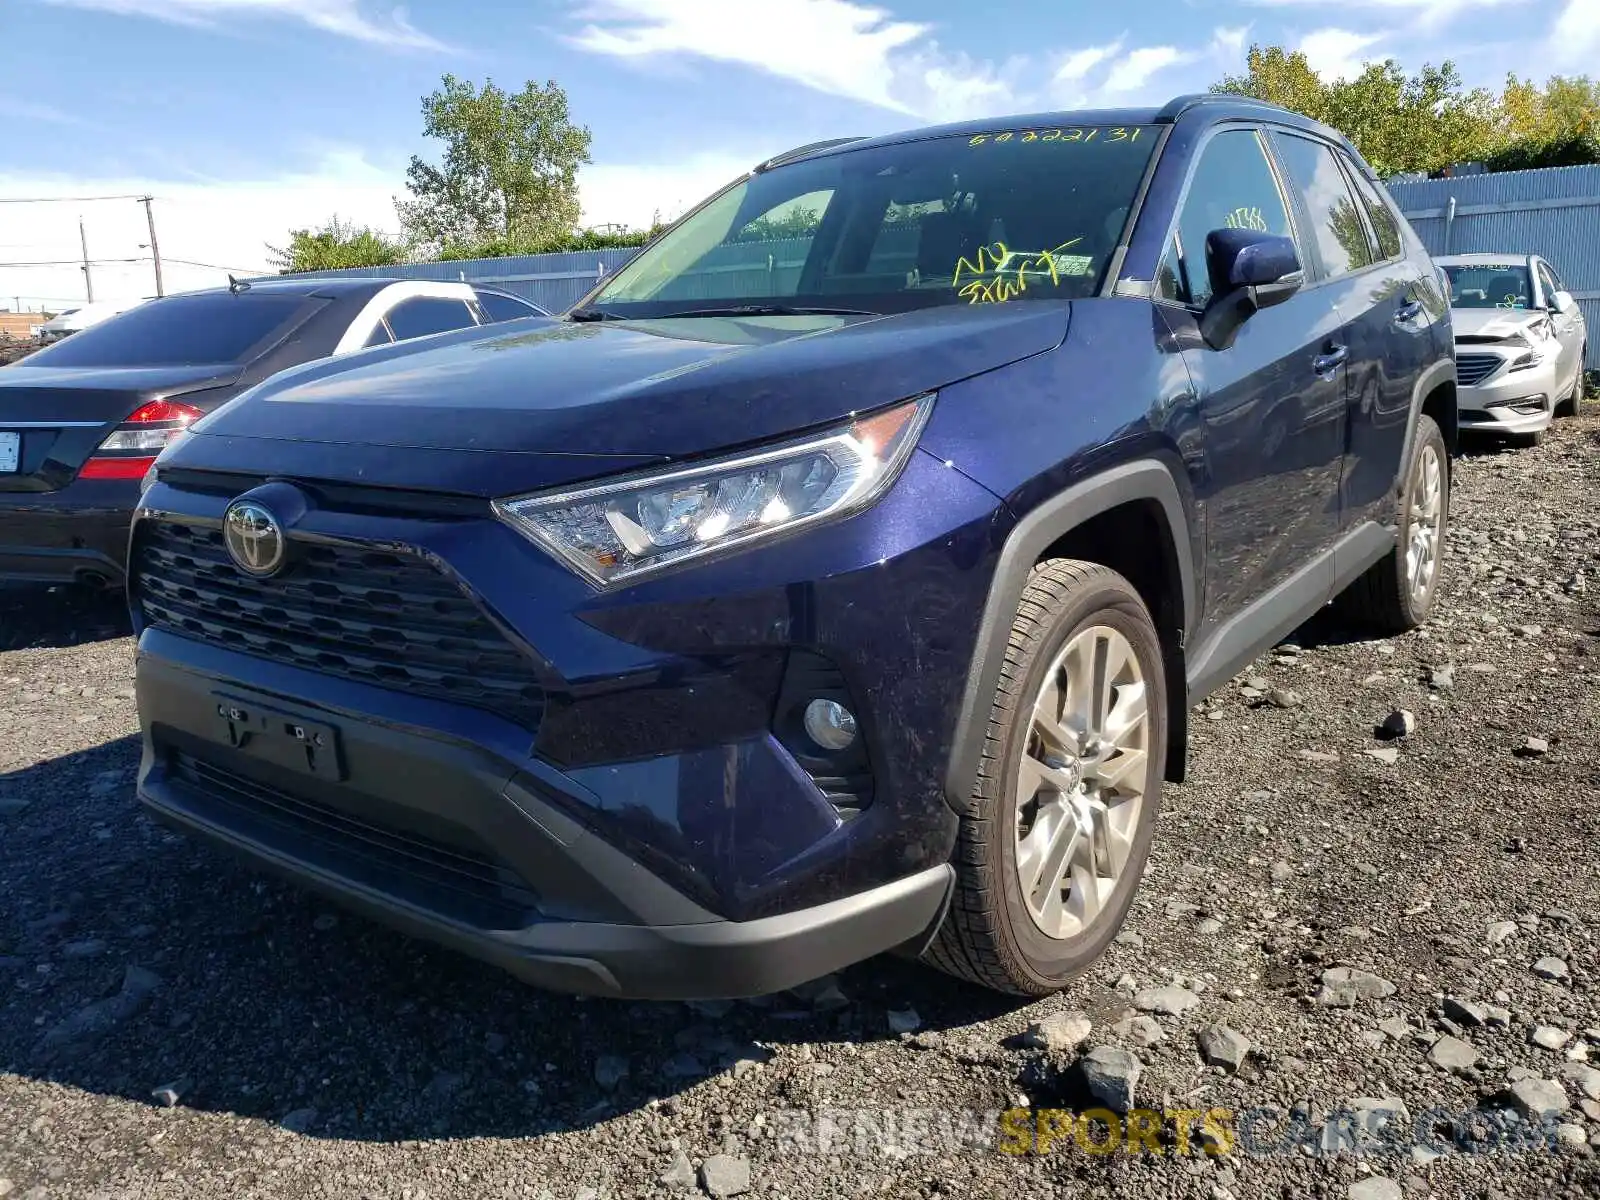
{"x":1453,"y":1055}
{"x":1548,"y":1037}
{"x":1060,"y":1032}
{"x":1111,"y":1074}
{"x":1382,"y":1116}
{"x":1284,"y":698}
{"x":1540,"y":1098}
{"x":168,"y":1094}
{"x":1534,"y":747}
{"x":1397,"y":1027}
{"x":1223,"y":1047}
{"x":88,"y":948}
{"x":1281,"y":871}
{"x":1495,"y":1015}
{"x":1499,"y":931}
{"x":1387,"y":755}
{"x":1318,"y":756}
{"x":1442,"y":677}
{"x":1465,"y":1012}
{"x":1551,"y":968}
{"x":903,"y":1020}
{"x":1172,"y":1000}
{"x":610,"y":1070}
{"x":680,"y":1176}
{"x":69,"y":1036}
{"x":1129,"y":938}
{"x":299,"y":1120}
{"x":725,"y":1175}
{"x":1342,"y":987}
{"x":1585,"y":1077}
{"x":1375,"y":1187}
{"x":1208,"y":927}
{"x":1399,"y":723}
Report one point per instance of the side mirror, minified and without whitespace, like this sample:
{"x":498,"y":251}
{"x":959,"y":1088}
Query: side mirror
{"x":1249,"y":271}
{"x":1562,"y":302}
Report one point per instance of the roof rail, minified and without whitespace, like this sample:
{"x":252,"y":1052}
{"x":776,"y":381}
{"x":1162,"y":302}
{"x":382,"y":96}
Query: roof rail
{"x":1179,"y":105}
{"x":802,"y":151}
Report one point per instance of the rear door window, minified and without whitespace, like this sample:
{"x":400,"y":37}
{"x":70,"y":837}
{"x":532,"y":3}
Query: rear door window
{"x":1384,"y":224}
{"x":500,"y":307}
{"x":423,"y":315}
{"x":1336,"y":225}
{"x":182,"y":331}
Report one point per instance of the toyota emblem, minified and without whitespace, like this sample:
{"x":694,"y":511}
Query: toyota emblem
{"x":253,"y":537}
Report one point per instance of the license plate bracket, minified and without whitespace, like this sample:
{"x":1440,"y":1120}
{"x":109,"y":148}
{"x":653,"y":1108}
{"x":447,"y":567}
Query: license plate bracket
{"x":10,"y":453}
{"x":279,"y":735}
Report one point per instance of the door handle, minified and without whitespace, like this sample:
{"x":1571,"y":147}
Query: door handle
{"x":1408,"y":312}
{"x":1326,"y":364}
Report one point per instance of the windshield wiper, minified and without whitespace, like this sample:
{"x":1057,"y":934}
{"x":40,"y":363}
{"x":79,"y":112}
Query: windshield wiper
{"x":593,"y":314}
{"x":769,"y":310}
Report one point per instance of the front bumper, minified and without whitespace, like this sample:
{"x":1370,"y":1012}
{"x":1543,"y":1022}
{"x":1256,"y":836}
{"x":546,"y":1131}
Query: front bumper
{"x":650,"y":831}
{"x":1510,"y":401}
{"x":76,"y":534}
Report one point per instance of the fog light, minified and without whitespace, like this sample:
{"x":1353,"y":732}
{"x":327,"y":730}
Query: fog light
{"x":830,"y":725}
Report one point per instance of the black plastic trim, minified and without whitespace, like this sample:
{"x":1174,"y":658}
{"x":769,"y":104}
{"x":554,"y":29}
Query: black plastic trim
{"x":1145,"y":479}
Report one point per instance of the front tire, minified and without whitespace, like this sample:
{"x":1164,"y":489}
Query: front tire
{"x":1574,"y":399}
{"x":1398,"y":592}
{"x":1058,"y":826}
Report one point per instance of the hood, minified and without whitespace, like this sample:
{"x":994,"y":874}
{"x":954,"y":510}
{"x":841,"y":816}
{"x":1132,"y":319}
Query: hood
{"x":1495,"y":322}
{"x":669,"y":387}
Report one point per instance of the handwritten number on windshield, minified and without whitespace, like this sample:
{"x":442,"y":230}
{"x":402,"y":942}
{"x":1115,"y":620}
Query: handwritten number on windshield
{"x":1025,"y":136}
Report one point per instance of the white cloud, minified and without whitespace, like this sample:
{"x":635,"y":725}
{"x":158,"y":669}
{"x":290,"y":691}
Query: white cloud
{"x":343,"y":18}
{"x":33,"y":113}
{"x":230,"y":223}
{"x":1227,"y":44}
{"x":861,"y":52}
{"x":1336,"y":53}
{"x":1576,"y":34}
{"x":1133,"y":71}
{"x":1430,"y":14}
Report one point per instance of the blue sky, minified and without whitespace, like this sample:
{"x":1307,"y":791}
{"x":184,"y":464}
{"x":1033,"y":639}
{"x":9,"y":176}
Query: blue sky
{"x":246,"y":117}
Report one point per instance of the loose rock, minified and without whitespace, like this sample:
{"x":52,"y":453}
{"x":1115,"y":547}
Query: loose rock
{"x":1551,"y":968}
{"x":1223,"y":1047}
{"x":725,"y":1175}
{"x":1398,"y":724}
{"x":1111,"y":1074}
{"x":1540,"y":1098}
{"x":1172,"y":1000}
{"x":1453,"y":1055}
{"x":1059,"y":1032}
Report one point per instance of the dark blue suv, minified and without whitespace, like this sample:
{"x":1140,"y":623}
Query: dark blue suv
{"x":837,"y":578}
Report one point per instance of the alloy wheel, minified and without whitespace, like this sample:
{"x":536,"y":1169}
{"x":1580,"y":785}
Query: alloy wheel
{"x":1081,"y":782}
{"x":1427,"y":519}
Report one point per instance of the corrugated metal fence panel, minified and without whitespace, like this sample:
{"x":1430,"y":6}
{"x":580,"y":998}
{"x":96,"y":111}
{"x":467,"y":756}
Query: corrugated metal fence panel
{"x":1554,"y":213}
{"x":553,"y":281}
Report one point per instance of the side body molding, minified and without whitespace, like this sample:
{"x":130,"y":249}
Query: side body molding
{"x":1140,"y":480}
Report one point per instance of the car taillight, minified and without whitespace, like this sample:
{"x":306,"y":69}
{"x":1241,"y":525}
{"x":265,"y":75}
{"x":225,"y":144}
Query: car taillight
{"x":130,"y":449}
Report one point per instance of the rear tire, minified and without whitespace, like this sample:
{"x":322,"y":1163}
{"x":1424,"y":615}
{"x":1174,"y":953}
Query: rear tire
{"x":1060,"y":818}
{"x":1397,"y":593}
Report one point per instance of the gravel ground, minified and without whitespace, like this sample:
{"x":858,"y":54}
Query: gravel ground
{"x":1340,"y":923}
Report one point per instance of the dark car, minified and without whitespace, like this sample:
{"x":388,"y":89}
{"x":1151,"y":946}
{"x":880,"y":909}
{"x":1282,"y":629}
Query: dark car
{"x":82,"y":420}
{"x":801,"y":598}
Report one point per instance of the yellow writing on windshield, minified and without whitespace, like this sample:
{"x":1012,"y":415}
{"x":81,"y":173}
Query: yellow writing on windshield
{"x":1000,"y":273}
{"x":1247,"y":218}
{"x":1062,"y":136}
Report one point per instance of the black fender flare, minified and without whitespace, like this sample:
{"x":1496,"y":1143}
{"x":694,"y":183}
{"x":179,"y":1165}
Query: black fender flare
{"x":1440,"y":373}
{"x":1140,"y":480}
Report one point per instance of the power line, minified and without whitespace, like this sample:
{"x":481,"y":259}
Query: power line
{"x":189,"y":262}
{"x":72,"y":262}
{"x":62,"y":199}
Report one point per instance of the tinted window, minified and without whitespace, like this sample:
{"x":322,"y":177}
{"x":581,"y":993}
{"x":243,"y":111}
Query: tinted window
{"x":177,"y":331}
{"x":428,"y":314}
{"x":1380,"y":214}
{"x":1010,"y":215}
{"x":505,"y":308}
{"x":1233,"y":187}
{"x":1336,"y":225}
{"x":1490,"y":285}
{"x":1548,"y":283}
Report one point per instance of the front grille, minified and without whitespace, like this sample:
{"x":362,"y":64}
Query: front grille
{"x":375,"y":616}
{"x":1473,"y":369}
{"x":456,"y":880}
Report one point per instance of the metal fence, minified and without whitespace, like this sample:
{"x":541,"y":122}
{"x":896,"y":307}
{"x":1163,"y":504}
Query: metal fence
{"x":552,"y":281}
{"x":1554,"y":213}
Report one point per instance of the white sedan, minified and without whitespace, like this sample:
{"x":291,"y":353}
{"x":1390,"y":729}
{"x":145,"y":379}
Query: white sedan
{"x":1520,"y":342}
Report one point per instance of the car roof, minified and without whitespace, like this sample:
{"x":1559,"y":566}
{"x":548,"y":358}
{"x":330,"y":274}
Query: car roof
{"x":1214,"y":106}
{"x":1483,"y":258}
{"x":290,"y":286}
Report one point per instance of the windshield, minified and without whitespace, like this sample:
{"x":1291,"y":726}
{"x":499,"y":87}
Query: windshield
{"x":1020,"y":214}
{"x":1490,"y":285}
{"x":177,"y":331}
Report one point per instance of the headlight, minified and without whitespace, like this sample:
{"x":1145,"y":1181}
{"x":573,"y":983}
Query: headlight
{"x":637,"y":526}
{"x":1527,"y":361}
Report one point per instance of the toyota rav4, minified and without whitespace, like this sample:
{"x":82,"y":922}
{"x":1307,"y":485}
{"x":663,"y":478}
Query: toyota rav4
{"x":836,"y":578}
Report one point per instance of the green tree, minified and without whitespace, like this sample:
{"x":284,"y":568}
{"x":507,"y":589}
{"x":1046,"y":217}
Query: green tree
{"x":509,"y":172}
{"x":1419,"y":122}
{"x":335,"y":247}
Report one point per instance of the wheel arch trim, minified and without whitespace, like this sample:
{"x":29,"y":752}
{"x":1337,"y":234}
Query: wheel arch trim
{"x":1131,"y":482}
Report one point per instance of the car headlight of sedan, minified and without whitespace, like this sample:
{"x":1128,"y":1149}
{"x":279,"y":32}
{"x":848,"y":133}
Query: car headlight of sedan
{"x":643,"y":524}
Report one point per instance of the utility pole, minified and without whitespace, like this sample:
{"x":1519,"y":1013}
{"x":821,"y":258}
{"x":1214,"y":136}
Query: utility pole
{"x":155,"y":250}
{"x":88,"y":279}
